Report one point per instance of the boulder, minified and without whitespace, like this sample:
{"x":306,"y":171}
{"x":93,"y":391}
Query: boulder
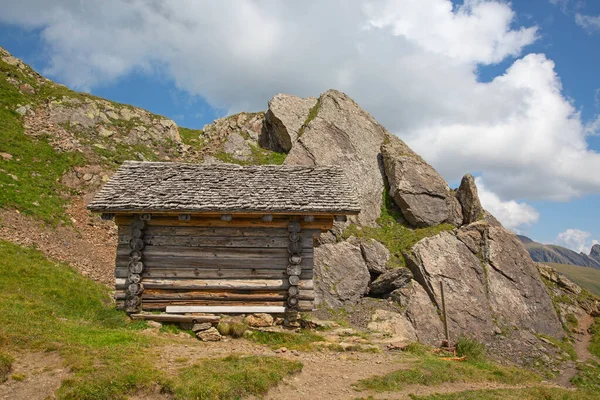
{"x":469,"y":199}
{"x":209,"y":335}
{"x":284,"y":118}
{"x":444,"y":258}
{"x":517,"y":295}
{"x":237,"y":147}
{"x":201,"y":327}
{"x":259,"y":320}
{"x":342,"y":133}
{"x":390,"y":281}
{"x":422,"y":313}
{"x":472,"y":235}
{"x":396,"y":325}
{"x":421,"y":193}
{"x":341,"y":275}
{"x":376,"y":256}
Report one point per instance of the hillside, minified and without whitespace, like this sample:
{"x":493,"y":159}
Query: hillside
{"x":378,"y":275}
{"x":550,"y":253}
{"x":587,"y":278}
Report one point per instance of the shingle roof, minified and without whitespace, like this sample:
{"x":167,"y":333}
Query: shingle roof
{"x":160,"y":187}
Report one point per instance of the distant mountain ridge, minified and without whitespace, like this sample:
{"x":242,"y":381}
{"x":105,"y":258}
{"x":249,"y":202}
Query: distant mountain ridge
{"x":550,"y":253}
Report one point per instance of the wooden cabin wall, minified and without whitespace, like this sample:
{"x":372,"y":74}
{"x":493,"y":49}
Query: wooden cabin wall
{"x":210,"y":262}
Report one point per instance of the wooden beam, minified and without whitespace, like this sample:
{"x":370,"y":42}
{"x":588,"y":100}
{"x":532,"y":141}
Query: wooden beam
{"x":234,"y":284}
{"x":176,"y":318}
{"x":225,"y":309}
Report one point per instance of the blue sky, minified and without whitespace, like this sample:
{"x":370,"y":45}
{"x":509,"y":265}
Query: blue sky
{"x":440,"y":75}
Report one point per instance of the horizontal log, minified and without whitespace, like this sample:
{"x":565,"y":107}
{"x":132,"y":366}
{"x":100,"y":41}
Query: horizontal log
{"x":225,"y":309}
{"x":165,"y":303}
{"x":199,"y":284}
{"x":212,"y":273}
{"x":210,"y":252}
{"x":160,"y":294}
{"x":177,"y":318}
{"x":218,"y":241}
{"x":215,"y":231}
{"x":163,"y":307}
{"x":212,"y":262}
{"x":318,"y":223}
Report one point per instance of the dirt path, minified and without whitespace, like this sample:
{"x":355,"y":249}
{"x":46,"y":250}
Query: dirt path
{"x":582,"y":343}
{"x":34,"y":376}
{"x":583,"y":338}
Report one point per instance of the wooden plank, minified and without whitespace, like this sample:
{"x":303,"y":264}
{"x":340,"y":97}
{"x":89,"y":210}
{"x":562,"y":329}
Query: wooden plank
{"x":216,"y":231}
{"x":240,"y":214}
{"x":177,"y":318}
{"x":159,"y":294}
{"x":199,"y":284}
{"x":165,"y":303}
{"x":215,"y":263}
{"x":217,"y":241}
{"x":322,"y":224}
{"x":212,"y":273}
{"x":225,"y":309}
{"x":211,"y":252}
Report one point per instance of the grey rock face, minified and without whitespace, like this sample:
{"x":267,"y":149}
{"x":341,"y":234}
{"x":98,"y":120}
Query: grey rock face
{"x":391,"y":280}
{"x":469,"y":199}
{"x":344,"y":134}
{"x":394,"y":324}
{"x":517,"y":294}
{"x":502,"y":289}
{"x":237,"y":147}
{"x":201,"y":327}
{"x":422,"y":313}
{"x":595,"y":252}
{"x":284,"y":118}
{"x":443,"y":258}
{"x":376,"y":256}
{"x":421,"y":193}
{"x":341,"y":275}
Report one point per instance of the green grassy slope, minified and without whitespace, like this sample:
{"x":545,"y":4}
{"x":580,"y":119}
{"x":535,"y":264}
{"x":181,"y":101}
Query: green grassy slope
{"x":586,"y":277}
{"x":48,"y":306}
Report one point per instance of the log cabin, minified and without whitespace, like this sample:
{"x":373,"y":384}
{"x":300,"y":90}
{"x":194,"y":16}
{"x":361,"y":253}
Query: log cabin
{"x":224,"y":238}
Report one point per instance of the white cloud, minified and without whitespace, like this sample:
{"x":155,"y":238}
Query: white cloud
{"x":511,"y":214}
{"x":412,"y":64}
{"x":588,"y":22}
{"x":576,"y":240}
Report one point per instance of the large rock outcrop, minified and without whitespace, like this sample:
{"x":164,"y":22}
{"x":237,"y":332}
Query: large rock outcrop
{"x":342,"y":133}
{"x":284,"y":118}
{"x":469,"y":200}
{"x":595,"y":252}
{"x":341,"y":274}
{"x":421,"y":193}
{"x":490,"y":283}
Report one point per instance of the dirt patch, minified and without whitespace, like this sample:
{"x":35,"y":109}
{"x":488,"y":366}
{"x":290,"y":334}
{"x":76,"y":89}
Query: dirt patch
{"x":34,"y":376}
{"x":89,"y":245}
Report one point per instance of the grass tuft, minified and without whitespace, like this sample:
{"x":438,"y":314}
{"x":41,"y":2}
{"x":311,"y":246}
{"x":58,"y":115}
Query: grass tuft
{"x":470,"y":348}
{"x":233,"y":377}
{"x":224,"y":328}
{"x":294,"y":341}
{"x":595,"y":341}
{"x":532,"y":393}
{"x":398,"y":238}
{"x":6,"y":362}
{"x":430,"y":370}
